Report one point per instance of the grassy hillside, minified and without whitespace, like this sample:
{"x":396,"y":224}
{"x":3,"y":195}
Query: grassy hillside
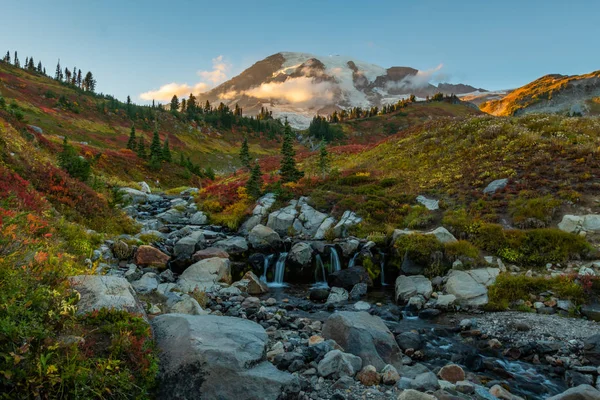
{"x":542,"y":91}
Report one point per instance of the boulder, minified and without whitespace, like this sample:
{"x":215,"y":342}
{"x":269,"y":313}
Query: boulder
{"x":145,"y":188}
{"x":204,"y":274}
{"x":570,"y":223}
{"x":591,"y":349}
{"x":348,"y":220}
{"x":148,"y":256}
{"x":591,"y":311}
{"x":263,"y":238}
{"x":283,"y":219}
{"x":496,"y":185}
{"x":411,"y":394}
{"x":134,"y":196}
{"x":581,"y":392}
{"x":445,"y":301}
{"x":146,"y":284}
{"x":259,"y":213}
{"x":452,"y":373}
{"x":591,"y":223}
{"x":349,"y":247}
{"x":233,"y":245}
{"x":410,"y":267}
{"x":359,"y":290}
{"x":443,"y":235}
{"x":325,"y":226}
{"x":255,"y":285}
{"x":99,"y":292}
{"x":186,"y":246}
{"x":300,"y":254}
{"x":408,"y":286}
{"x":184,"y":304}
{"x":363,"y":335}
{"x":429,"y":204}
{"x":425,"y":381}
{"x":349,"y":277}
{"x":172,"y":216}
{"x":409,"y":340}
{"x":309,"y":220}
{"x":389,"y":375}
{"x":210,"y":252}
{"x":216,"y":357}
{"x":198,"y":218}
{"x":470,"y":287}
{"x":337,"y":295}
{"x":369,"y":376}
{"x":337,"y":364}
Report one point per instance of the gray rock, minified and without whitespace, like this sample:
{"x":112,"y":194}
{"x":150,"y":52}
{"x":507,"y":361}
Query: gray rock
{"x":349,"y":247}
{"x":204,"y":274}
{"x":300,"y":254}
{"x":309,"y":220}
{"x":581,"y":392}
{"x":389,"y":375}
{"x":359,"y":290}
{"x":409,"y":340}
{"x":184,"y":304}
{"x":362,"y":306}
{"x":411,"y":394}
{"x":348,"y":220}
{"x":262,"y":237}
{"x":188,"y":245}
{"x":337,"y":364}
{"x":470,"y":287}
{"x":409,"y":286}
{"x":198,"y":218}
{"x":105,"y":292}
{"x":443,"y":235}
{"x":363,"y":335}
{"x":132,"y":273}
{"x":571,"y":223}
{"x":591,"y":311}
{"x":325,"y":226}
{"x":425,"y":381}
{"x":172,"y":216}
{"x":444,"y":301}
{"x":430,"y":204}
{"x":146,"y":284}
{"x":337,"y":295}
{"x":496,"y":185}
{"x":263,"y":205}
{"x":283,"y":219}
{"x":233,"y":245}
{"x":220,"y":358}
{"x":133,"y":195}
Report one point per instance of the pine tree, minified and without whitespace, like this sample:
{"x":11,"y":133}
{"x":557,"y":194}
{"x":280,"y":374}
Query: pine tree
{"x":324,"y":161}
{"x":58,"y":74}
{"x":174,"y":104}
{"x":16,"y":62}
{"x":166,"y":151}
{"x":254,"y":184}
{"x":7,"y":57}
{"x":245,"y":153}
{"x":79,"y":80}
{"x":131,"y":144}
{"x":288,"y":170}
{"x":141,"y":148}
{"x":26,"y":63}
{"x":31,"y":64}
{"x":39,"y":67}
{"x":155,"y":147}
{"x":89,"y":83}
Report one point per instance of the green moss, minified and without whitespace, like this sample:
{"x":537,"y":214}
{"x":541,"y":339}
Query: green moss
{"x":418,"y":217}
{"x":533,"y":212}
{"x":373,"y":270}
{"x":508,"y":289}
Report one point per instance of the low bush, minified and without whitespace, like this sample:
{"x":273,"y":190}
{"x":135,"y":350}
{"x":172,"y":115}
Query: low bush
{"x":534,"y":212}
{"x":418,"y":217}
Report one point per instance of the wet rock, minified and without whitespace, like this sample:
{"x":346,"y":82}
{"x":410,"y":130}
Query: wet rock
{"x":264,"y":238}
{"x":363,"y":335}
{"x":349,"y":247}
{"x":425,"y":381}
{"x":220,"y":357}
{"x":581,"y":392}
{"x":452,"y":373}
{"x":148,"y":256}
{"x":336,"y":364}
{"x":319,"y":294}
{"x":500,"y":393}
{"x":337,"y":295}
{"x":464,"y":387}
{"x":300,"y":254}
{"x":362,"y":306}
{"x":429,"y":313}
{"x":254,"y":285}
{"x":349,"y":277}
{"x":359,"y":290}
{"x":369,"y":376}
{"x":389,"y":375}
{"x":409,"y":340}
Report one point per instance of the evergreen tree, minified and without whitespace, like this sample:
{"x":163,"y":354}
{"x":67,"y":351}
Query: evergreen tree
{"x":76,"y":166}
{"x":245,"y":153}
{"x":181,"y":159}
{"x":7,"y":57}
{"x":254,"y":184}
{"x":324,"y":161}
{"x":16,"y":62}
{"x":166,"y":151}
{"x":155,"y":147}
{"x":79,"y":80}
{"x":58,"y":74}
{"x":174,"y":104}
{"x":131,"y":144}
{"x":26,"y":63}
{"x":141,"y":148}
{"x":89,"y":83}
{"x":39,"y":67}
{"x":288,"y":170}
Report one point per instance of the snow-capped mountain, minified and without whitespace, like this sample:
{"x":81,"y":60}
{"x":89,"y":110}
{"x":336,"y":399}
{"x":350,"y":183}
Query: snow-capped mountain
{"x":301,"y":85}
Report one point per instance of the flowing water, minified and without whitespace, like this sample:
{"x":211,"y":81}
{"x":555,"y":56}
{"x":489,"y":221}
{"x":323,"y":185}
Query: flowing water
{"x":352,"y":262}
{"x":267,"y":263}
{"x":320,"y":281}
{"x":334,"y":258}
{"x":279,"y":272}
{"x":382,"y":268}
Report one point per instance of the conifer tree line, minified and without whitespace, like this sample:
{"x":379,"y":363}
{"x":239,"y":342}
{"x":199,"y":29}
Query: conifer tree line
{"x":72,"y":77}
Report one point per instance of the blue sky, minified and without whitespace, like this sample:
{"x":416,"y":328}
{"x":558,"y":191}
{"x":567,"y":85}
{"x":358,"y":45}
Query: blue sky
{"x":134,"y":46}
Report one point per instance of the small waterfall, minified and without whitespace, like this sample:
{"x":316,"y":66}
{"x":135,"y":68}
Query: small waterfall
{"x":334,"y":264}
{"x":266,"y":263}
{"x":320,"y":268}
{"x":353,"y":260}
{"x":382,"y":268}
{"x":279,"y":271}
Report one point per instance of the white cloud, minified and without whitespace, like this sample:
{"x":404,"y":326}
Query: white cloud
{"x":210,"y":79}
{"x":300,"y":91}
{"x":419,"y":80}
